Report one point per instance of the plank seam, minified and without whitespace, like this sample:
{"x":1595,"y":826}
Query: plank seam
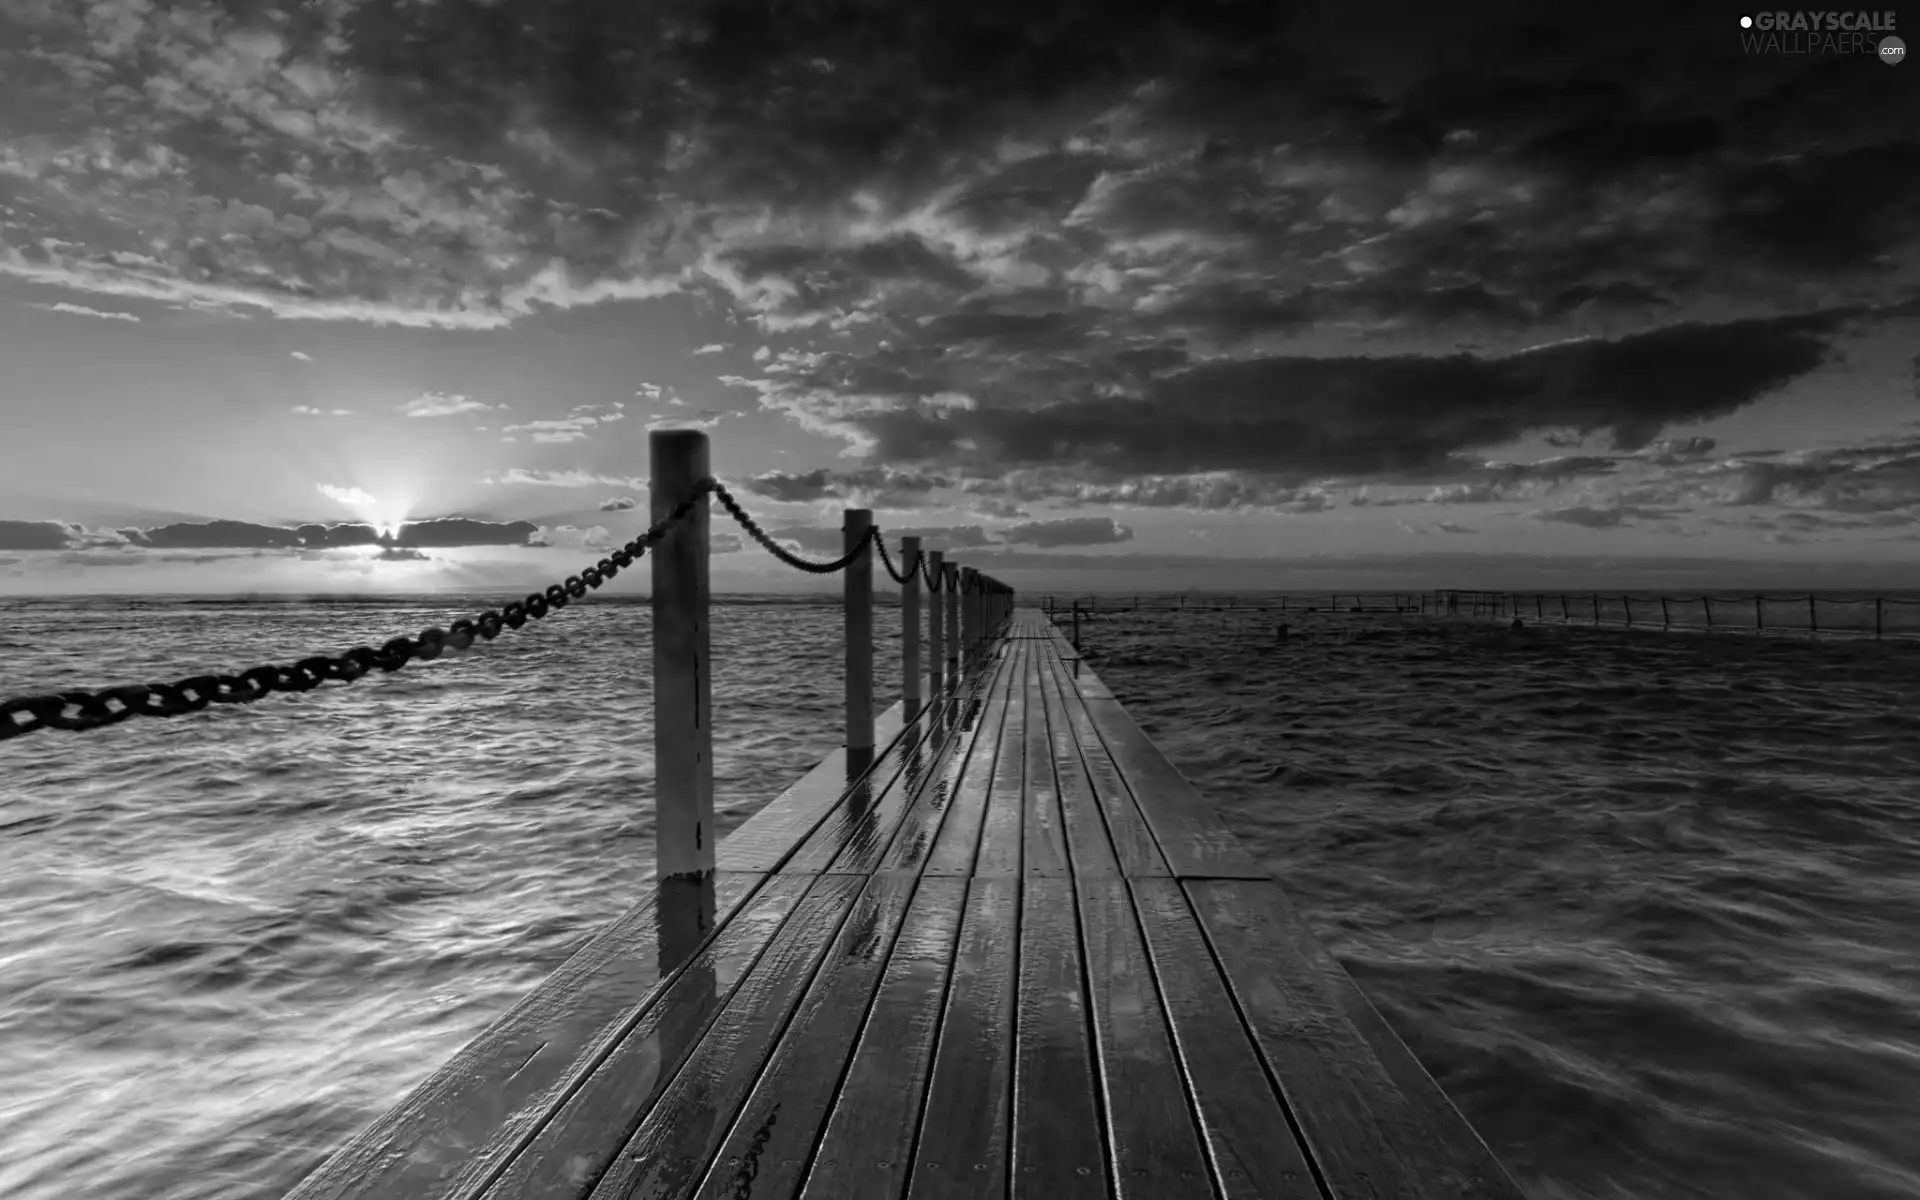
{"x":604,"y":1051}
{"x":1060,"y":676}
{"x":1013,"y":1024}
{"x":800,"y":1002}
{"x":1102,"y":1082}
{"x":918,"y":727}
{"x":1214,"y":1166}
{"x":926,"y":732}
{"x":972,"y":739}
{"x":1309,"y":1149}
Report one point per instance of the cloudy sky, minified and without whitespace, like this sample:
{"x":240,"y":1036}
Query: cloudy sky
{"x":1226,"y":294}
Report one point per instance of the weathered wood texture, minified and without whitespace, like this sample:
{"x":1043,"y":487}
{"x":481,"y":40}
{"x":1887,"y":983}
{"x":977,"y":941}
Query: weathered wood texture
{"x":1013,"y":956}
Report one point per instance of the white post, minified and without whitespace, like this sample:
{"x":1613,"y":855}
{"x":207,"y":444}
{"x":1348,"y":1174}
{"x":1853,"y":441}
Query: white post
{"x":857,"y":531}
{"x":936,"y":622}
{"x":682,"y":683}
{"x":910,"y":622}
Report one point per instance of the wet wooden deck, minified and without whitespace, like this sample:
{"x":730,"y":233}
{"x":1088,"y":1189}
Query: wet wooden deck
{"x":1018,"y":957}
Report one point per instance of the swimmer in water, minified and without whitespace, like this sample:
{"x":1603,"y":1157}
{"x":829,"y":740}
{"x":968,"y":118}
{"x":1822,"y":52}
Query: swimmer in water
{"x":1280,"y":632}
{"x":1517,"y":626}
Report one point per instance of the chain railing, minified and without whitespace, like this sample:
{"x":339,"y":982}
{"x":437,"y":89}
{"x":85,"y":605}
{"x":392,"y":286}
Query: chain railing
{"x":78,"y":709}
{"x":746,"y":522}
{"x":886,"y":560}
{"x":110,"y":706}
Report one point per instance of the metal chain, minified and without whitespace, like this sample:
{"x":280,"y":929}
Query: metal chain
{"x":191,"y":695}
{"x":927,"y":573}
{"x":781,"y":552}
{"x":899,"y":577}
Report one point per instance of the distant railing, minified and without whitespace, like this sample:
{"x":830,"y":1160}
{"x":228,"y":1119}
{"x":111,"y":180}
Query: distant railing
{"x":1092,"y":608}
{"x":1880,"y":617}
{"x":1875,"y":616}
{"x":958,"y":633}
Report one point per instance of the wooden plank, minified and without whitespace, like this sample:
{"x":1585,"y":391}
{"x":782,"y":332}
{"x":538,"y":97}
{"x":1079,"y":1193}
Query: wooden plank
{"x":961,"y":1150}
{"x":1057,"y":1146}
{"x":1359,"y":1128}
{"x":678,"y":1135}
{"x":1090,"y":845}
{"x":1253,"y":1149}
{"x":868,"y":1144}
{"x":568,"y":1151}
{"x":864,"y":809}
{"x":868,"y":839}
{"x":1045,"y":853}
{"x":969,"y":751}
{"x":1195,"y":843}
{"x":1003,"y":828}
{"x":1150,"y":1126}
{"x":957,"y":848}
{"x":767,"y":1151}
{"x":769,"y":835}
{"x":1133,"y":843}
{"x":510,"y":1077}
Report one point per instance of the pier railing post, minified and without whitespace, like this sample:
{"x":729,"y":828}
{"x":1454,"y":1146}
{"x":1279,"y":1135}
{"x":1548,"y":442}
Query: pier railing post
{"x":953,"y":623}
{"x":910,"y":623}
{"x":857,"y":534}
{"x":936,"y":618}
{"x":1076,"y":626}
{"x":683,"y":834}
{"x":969,"y":616}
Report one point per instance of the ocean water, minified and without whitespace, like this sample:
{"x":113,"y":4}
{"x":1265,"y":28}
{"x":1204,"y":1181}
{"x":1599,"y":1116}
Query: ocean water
{"x":228,"y":940}
{"x":1647,"y":906}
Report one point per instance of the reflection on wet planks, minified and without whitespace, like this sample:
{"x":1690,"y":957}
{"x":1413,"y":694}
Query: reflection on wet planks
{"x":1011,"y":953}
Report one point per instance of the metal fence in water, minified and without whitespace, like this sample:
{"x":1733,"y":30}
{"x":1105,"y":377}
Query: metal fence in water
{"x":1881,"y":616}
{"x":1808,"y":613}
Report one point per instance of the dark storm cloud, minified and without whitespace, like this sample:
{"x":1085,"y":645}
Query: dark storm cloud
{"x":941,"y":537}
{"x":241,"y":535}
{"x":337,"y":536}
{"x":34,"y":535}
{"x":1241,"y":167}
{"x":216,"y":535}
{"x":1877,"y":478}
{"x":881,"y":487}
{"x":1072,"y":531}
{"x":1602,"y":516}
{"x":1123,"y":241}
{"x":462,"y":531}
{"x":1308,"y":417}
{"x":822,"y":540}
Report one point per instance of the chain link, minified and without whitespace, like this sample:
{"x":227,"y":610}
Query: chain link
{"x":899,"y":577}
{"x":781,"y":552}
{"x":97,"y":708}
{"x":110,"y":706}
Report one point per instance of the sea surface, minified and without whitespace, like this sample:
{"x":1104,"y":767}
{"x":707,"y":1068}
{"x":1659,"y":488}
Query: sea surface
{"x":1648,"y":906}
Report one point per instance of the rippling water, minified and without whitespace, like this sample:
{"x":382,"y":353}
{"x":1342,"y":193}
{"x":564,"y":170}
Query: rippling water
{"x":228,"y":940}
{"x":1648,"y":907}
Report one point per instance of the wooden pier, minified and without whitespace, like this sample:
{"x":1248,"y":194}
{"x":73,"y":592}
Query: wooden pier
{"x":1008,"y":953}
